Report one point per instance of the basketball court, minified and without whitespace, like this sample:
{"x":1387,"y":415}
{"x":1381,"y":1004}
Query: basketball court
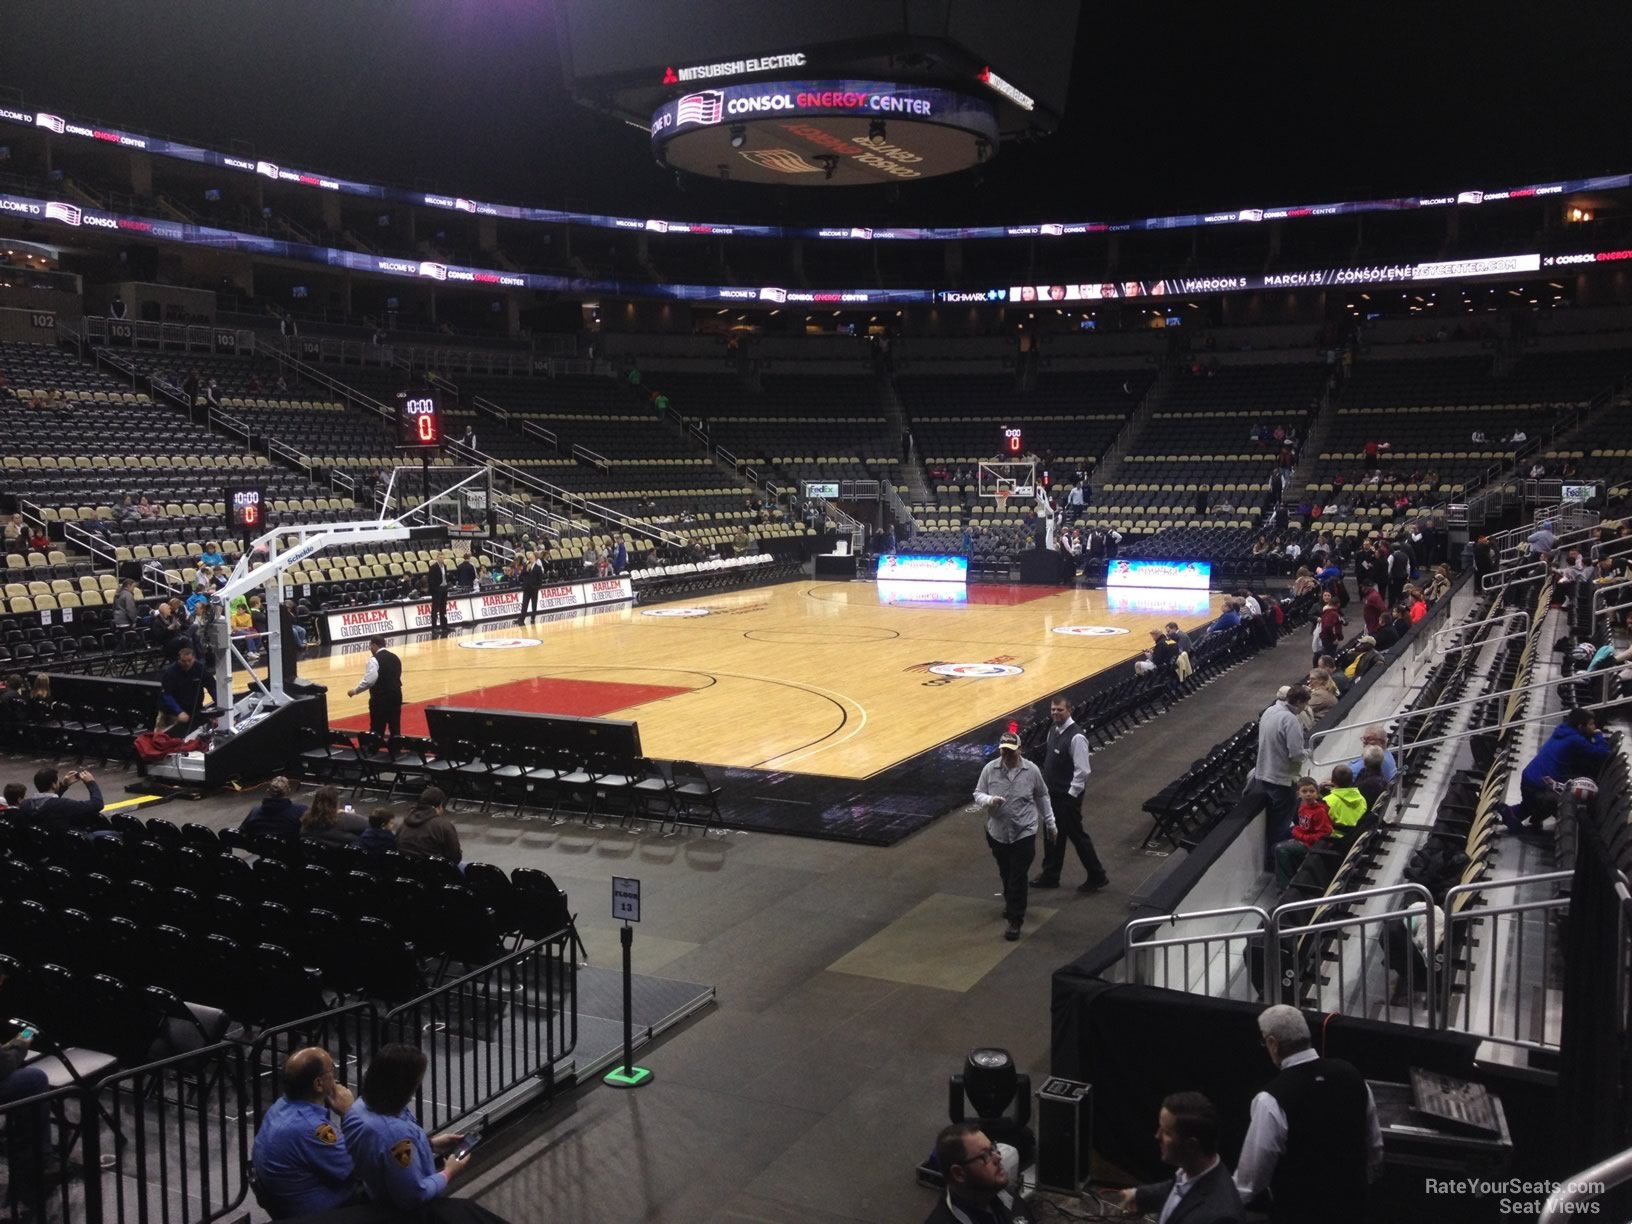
{"x":841,"y":680}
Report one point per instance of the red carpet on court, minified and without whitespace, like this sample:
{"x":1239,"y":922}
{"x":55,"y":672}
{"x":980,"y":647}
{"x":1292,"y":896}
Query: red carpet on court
{"x":1005,"y":595}
{"x":540,"y":695}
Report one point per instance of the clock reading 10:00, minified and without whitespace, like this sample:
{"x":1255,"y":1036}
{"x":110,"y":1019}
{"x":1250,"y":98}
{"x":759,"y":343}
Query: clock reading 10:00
{"x":419,"y":419}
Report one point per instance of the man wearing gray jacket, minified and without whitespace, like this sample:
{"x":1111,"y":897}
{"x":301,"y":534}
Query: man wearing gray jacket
{"x":1282,"y":743}
{"x":1012,"y":791}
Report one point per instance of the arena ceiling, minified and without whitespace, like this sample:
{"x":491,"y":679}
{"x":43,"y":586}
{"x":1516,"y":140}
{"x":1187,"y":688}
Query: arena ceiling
{"x":1170,"y":107}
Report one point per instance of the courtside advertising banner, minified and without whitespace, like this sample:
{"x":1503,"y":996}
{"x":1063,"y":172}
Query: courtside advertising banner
{"x":357,"y":624}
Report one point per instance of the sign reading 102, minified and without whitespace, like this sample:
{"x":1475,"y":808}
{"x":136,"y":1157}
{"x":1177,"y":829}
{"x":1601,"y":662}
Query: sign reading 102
{"x":419,"y":420}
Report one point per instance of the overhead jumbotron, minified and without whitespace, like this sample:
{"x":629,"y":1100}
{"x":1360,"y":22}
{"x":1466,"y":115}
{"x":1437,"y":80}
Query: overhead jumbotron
{"x":822,"y":95}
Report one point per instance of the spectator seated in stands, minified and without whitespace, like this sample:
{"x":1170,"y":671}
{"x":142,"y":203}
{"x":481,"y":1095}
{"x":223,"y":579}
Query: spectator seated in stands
{"x":16,"y":530}
{"x":427,"y":832}
{"x":393,"y":1156}
{"x":50,"y":806}
{"x":381,"y":831}
{"x":302,"y":1165}
{"x":1374,"y":737}
{"x":276,"y":814}
{"x":1408,"y":951}
{"x":1390,"y":634}
{"x":325,"y":822}
{"x":199,"y":597}
{"x":1370,"y":781}
{"x":243,"y":627}
{"x":1345,"y":804}
{"x":11,"y":798}
{"x":1228,"y":619}
{"x":1323,"y":692}
{"x":210,"y":556}
{"x":14,"y":698}
{"x":1364,"y":658}
{"x":1314,"y":823}
{"x":1439,"y":584}
{"x":1575,"y":748}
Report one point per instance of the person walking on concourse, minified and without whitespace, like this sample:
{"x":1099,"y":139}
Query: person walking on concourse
{"x":1012,"y":791}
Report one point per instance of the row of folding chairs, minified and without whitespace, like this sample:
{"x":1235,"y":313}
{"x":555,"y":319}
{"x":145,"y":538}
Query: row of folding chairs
{"x":556,"y":783}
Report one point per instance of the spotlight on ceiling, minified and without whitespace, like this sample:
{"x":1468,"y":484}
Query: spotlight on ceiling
{"x":739,"y":135}
{"x":828,"y":163}
{"x":875,"y":131}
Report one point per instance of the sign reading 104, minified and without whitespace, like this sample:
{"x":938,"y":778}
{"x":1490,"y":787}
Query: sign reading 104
{"x":419,"y":419}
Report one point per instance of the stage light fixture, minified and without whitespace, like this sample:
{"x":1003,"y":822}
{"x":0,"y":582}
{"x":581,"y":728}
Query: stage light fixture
{"x":875,"y":131}
{"x":739,"y":135}
{"x":983,"y":150}
{"x":828,"y":163}
{"x":989,"y":1080}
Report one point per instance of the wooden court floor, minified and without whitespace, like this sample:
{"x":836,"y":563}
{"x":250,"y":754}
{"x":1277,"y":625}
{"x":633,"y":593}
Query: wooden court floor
{"x":842,"y":679}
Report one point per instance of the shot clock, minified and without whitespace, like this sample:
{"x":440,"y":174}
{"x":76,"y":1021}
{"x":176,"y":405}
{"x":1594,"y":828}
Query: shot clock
{"x":246,"y":508}
{"x":419,"y":420}
{"x":1012,"y":442}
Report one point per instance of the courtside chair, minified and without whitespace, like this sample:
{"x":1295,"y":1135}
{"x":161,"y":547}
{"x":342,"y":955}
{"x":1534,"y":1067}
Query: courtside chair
{"x":694,"y":795}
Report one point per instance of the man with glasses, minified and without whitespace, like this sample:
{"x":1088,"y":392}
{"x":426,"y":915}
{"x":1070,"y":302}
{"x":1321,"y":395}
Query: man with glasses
{"x":977,"y":1184}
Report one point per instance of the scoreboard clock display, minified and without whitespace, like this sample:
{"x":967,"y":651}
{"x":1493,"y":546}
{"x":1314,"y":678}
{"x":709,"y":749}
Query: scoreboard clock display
{"x":419,"y":420}
{"x":1012,"y":442}
{"x":246,"y":508}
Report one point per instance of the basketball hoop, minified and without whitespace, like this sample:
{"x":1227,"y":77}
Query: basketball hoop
{"x":1002,"y":493}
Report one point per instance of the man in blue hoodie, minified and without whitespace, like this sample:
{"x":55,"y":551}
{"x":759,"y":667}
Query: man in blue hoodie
{"x":1576,"y":747}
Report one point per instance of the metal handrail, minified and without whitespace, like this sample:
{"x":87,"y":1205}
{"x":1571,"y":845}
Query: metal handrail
{"x":1520,"y":722}
{"x":100,"y":549}
{"x":1274,"y":932}
{"x":1542,"y":515}
{"x":1561,"y":539}
{"x":1597,"y":591}
{"x":1517,"y":573}
{"x":1461,"y":702}
{"x":1450,"y":650}
{"x":1452,"y":918}
{"x":1491,"y":621}
{"x":1271,"y":949}
{"x":1589,"y":1183}
{"x":543,"y":435}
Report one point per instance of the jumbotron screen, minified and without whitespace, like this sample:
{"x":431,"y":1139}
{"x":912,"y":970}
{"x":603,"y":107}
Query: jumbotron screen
{"x":1167,"y":575}
{"x":914,"y":567}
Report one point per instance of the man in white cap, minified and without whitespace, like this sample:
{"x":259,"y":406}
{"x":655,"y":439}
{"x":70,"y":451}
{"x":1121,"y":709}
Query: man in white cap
{"x":1015,"y":797}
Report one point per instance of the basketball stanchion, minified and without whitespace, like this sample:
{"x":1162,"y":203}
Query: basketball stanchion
{"x":626,"y":905}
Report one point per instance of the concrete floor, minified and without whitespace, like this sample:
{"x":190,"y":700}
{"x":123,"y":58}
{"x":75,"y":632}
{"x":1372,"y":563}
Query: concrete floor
{"x":809,"y":1092}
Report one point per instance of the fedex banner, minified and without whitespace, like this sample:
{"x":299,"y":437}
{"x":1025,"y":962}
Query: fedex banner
{"x":384,"y":620}
{"x":702,"y":109}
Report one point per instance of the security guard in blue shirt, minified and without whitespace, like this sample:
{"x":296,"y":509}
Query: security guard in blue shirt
{"x":301,"y":1162}
{"x":394,"y":1157}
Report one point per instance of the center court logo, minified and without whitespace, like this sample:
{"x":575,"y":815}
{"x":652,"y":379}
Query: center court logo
{"x":975,"y":671}
{"x":1089,"y":630}
{"x":675,"y":612}
{"x":501,"y":644}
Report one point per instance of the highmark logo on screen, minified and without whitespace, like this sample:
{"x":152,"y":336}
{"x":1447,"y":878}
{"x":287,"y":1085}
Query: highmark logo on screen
{"x":910,"y":567}
{"x":1166,"y":575}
